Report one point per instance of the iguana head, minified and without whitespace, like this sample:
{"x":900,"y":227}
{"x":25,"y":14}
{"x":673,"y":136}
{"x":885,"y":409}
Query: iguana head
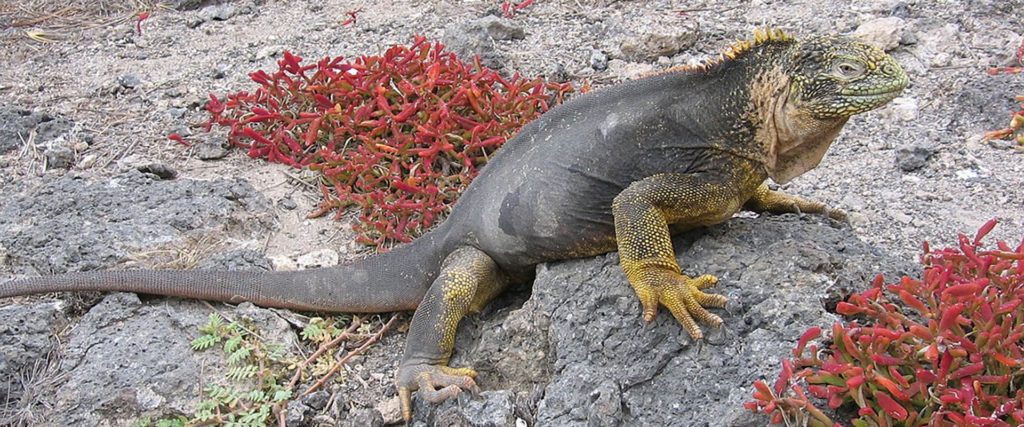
{"x":835,"y":77}
{"x":819,"y":83}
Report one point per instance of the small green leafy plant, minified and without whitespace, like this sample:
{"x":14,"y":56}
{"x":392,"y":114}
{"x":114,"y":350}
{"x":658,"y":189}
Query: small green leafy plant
{"x":253,"y":382}
{"x":398,"y":135}
{"x":943,"y":350}
{"x":256,"y":388}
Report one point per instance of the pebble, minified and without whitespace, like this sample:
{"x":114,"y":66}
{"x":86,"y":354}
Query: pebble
{"x":914,"y":157}
{"x":287,"y":204}
{"x":885,"y":33}
{"x":648,"y":47}
{"x":219,"y":12}
{"x":390,"y":410}
{"x":598,"y":60}
{"x":905,"y":109}
{"x":320,"y":258}
{"x":59,"y":157}
{"x":88,"y":161}
{"x":269,"y":51}
{"x":500,"y":29}
{"x":159,"y":169}
{"x":129,"y":81}
{"x":210,"y":151}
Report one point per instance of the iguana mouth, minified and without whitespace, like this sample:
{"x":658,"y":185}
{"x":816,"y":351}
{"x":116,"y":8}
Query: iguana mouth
{"x":874,"y":93}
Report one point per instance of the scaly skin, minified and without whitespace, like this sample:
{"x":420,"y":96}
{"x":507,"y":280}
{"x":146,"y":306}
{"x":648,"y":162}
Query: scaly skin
{"x":618,"y":168}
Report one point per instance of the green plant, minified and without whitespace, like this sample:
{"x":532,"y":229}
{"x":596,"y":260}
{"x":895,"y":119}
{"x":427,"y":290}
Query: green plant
{"x":399,"y":135}
{"x":946,"y":349}
{"x":253,"y":382}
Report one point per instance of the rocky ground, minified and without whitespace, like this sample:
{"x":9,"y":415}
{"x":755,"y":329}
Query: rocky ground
{"x":89,"y":180}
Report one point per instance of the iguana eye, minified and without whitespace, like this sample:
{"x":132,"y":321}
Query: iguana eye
{"x":848,"y":69}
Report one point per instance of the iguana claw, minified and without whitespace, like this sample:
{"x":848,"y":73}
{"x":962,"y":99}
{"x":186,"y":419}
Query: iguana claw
{"x":683,"y":296}
{"x":434,"y":383}
{"x":836,"y":214}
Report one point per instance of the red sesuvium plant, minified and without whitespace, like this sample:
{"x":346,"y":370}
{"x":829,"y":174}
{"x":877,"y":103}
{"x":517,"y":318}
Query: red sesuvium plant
{"x":399,"y":135}
{"x":943,"y":350}
{"x":1015,"y":130}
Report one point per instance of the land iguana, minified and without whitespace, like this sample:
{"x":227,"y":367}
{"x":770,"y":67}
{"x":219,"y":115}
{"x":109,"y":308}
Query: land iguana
{"x":619,"y":168}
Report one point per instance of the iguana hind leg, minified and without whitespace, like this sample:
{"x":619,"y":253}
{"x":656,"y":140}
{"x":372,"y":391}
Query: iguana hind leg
{"x":643,"y":212}
{"x":767,"y":200}
{"x":469,"y":279}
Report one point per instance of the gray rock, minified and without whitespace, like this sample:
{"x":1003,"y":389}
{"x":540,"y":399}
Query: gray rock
{"x":500,"y":29}
{"x":17,"y":124}
{"x":218,"y":12}
{"x":605,"y":407}
{"x":364,"y":417}
{"x":581,"y":334}
{"x":176,"y":112}
{"x":477,"y":38}
{"x":208,"y":150}
{"x":52,"y":128}
{"x":901,"y":10}
{"x":914,"y":157}
{"x":183,"y":5}
{"x":287,"y":204}
{"x":26,"y":338}
{"x":74,"y":224}
{"x":556,"y":72}
{"x":665,"y":40}
{"x":317,"y":400}
{"x":160,"y":170}
{"x":59,"y":156}
{"x":298,"y":414}
{"x":269,"y":51}
{"x":243,"y":259}
{"x":220,"y":71}
{"x":884,"y":33}
{"x":488,"y":409}
{"x":129,"y":81}
{"x":598,"y":60}
{"x":905,"y":109}
{"x":127,"y":359}
{"x":982,"y":105}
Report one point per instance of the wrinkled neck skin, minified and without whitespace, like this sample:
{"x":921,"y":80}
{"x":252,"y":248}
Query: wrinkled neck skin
{"x":799,"y":139}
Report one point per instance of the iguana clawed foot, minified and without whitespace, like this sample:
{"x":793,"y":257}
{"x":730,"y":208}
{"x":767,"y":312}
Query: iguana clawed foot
{"x":434,"y":383}
{"x":683,"y":296}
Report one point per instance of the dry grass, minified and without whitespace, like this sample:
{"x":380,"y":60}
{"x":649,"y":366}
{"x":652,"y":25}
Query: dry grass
{"x":26,"y":392}
{"x":183,"y":256}
{"x":49,"y":20}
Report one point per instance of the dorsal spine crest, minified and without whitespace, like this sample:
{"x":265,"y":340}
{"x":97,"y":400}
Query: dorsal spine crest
{"x":761,"y":36}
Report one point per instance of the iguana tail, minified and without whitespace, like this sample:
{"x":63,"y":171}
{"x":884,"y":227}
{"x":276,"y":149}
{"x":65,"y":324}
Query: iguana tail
{"x":396,"y":280}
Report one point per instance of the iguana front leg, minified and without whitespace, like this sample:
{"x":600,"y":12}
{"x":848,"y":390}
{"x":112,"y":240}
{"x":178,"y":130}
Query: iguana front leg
{"x":469,"y":279}
{"x":642,"y":213}
{"x":767,"y":200}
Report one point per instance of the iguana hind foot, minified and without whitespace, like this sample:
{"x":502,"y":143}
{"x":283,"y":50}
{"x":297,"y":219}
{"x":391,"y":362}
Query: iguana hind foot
{"x":434,"y":383}
{"x":468,"y":280}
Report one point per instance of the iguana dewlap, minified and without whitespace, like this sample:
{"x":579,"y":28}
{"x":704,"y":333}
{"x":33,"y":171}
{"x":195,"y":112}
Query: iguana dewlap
{"x":609,"y":170}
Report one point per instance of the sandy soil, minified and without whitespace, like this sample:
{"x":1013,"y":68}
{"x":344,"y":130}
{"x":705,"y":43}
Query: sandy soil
{"x":181,"y":56}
